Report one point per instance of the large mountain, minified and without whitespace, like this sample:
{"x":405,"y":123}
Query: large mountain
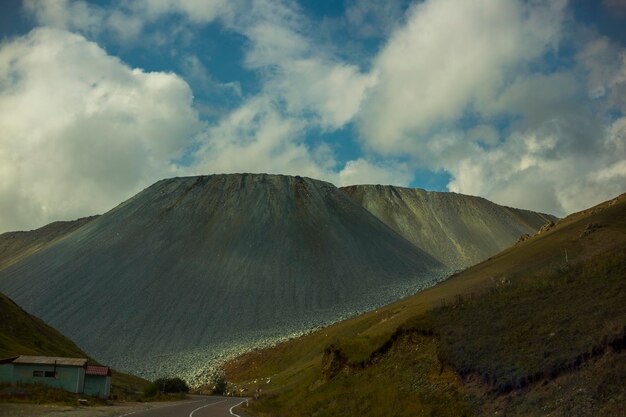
{"x":192,"y":266}
{"x":457,"y":230}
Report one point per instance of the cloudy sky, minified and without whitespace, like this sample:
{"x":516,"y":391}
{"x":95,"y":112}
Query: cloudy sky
{"x":519,"y":101}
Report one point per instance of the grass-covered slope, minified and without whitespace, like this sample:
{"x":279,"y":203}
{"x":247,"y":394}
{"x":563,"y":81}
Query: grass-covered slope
{"x":523,"y":333}
{"x":538,"y":326}
{"x":24,"y":334}
{"x":458,"y":230}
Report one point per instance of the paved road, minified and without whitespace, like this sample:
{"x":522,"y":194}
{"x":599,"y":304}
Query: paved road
{"x":198,"y":406}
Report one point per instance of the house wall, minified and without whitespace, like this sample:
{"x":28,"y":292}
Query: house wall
{"x":97,"y":385}
{"x":69,"y":378}
{"x":6,"y":372}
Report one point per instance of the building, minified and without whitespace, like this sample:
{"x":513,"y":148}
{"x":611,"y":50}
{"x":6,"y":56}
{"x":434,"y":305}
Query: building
{"x":69,"y":374}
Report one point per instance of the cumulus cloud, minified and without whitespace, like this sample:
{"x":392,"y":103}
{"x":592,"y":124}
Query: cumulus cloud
{"x":448,"y":56}
{"x":362,"y":171}
{"x":259,"y":138}
{"x":460,"y":87}
{"x":79,"y":130}
{"x":372,"y":18}
{"x":541,"y":170}
{"x":309,"y":79}
{"x":450,"y":76}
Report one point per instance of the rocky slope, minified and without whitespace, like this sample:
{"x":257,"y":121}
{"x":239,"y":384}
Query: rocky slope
{"x":192,"y":267}
{"x":23,"y":334}
{"x":15,"y":246}
{"x":457,"y":230}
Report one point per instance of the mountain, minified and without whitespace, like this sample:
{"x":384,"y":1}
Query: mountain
{"x":538,"y":329}
{"x":24,"y":334}
{"x":15,"y":246}
{"x":457,"y":230}
{"x":192,"y":267}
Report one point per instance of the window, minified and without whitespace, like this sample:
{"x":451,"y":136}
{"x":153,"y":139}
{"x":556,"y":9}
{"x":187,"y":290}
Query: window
{"x":44,"y":374}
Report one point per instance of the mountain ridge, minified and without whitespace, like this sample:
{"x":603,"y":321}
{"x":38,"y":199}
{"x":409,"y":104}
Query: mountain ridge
{"x":233,"y":257}
{"x":456,"y":229}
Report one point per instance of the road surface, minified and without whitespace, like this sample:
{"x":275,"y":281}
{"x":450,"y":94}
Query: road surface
{"x":195,"y":406}
{"x":198,"y":406}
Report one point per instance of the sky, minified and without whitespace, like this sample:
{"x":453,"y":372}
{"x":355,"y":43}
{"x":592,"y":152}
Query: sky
{"x":522,"y":102}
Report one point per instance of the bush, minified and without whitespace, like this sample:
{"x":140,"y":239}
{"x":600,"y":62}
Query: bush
{"x":219,"y":384}
{"x":167,"y":386}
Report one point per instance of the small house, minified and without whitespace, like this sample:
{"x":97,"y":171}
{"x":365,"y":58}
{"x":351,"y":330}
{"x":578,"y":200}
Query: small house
{"x":69,"y":374}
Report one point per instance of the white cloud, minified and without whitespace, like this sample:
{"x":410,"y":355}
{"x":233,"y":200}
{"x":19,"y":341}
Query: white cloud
{"x":362,"y":171}
{"x":605,"y":66}
{"x":484,"y":134}
{"x":373,"y":18}
{"x":258,"y":138}
{"x":435,"y":96}
{"x":128,"y":20}
{"x":546,"y":169}
{"x":449,"y":55}
{"x":196,"y":11}
{"x":306,"y":77}
{"x":79,"y":130}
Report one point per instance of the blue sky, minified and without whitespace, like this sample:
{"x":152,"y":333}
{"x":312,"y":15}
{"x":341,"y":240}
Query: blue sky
{"x":521,"y":102}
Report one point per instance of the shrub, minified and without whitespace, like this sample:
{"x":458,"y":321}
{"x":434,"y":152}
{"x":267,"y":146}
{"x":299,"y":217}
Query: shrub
{"x":167,"y":386}
{"x":219,"y":384}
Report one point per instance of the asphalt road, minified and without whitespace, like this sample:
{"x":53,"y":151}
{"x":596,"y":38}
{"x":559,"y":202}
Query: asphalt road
{"x":198,"y":406}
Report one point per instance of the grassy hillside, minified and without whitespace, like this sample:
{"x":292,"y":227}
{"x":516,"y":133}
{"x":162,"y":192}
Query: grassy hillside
{"x":523,"y":333}
{"x":24,"y":334}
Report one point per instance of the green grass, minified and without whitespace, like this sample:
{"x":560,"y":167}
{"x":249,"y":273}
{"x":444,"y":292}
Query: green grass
{"x":42,"y":394}
{"x":516,"y":319}
{"x":24,"y":334}
{"x":536,"y":327}
{"x":407,"y":381}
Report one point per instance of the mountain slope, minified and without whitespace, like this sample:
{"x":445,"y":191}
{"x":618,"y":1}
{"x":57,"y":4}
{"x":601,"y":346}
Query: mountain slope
{"x":457,"y":230}
{"x":530,"y":331}
{"x":192,"y":266}
{"x":23,"y":334}
{"x":15,"y":246}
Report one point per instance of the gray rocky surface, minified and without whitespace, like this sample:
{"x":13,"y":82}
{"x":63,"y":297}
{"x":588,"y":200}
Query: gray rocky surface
{"x":194,"y":270}
{"x":458,"y":230}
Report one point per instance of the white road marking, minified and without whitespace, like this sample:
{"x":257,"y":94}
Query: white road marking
{"x":204,"y":406}
{"x":231,"y":408}
{"x":158,"y":408}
